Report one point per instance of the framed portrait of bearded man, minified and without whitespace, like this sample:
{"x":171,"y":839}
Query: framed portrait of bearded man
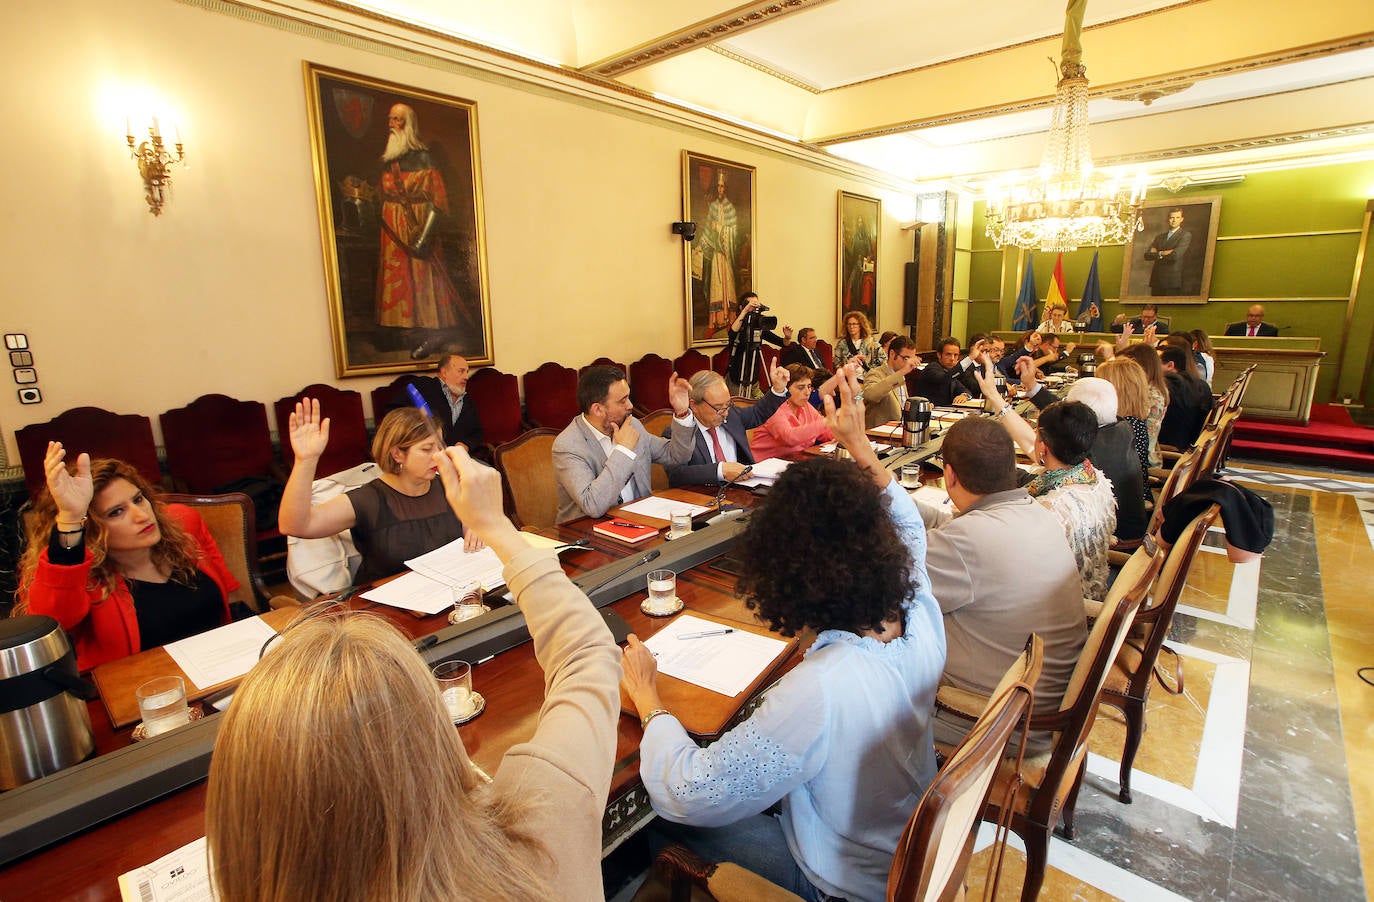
{"x":398,"y":181}
{"x":718,"y":197}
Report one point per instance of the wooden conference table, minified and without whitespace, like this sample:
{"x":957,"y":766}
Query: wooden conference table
{"x":87,"y":866}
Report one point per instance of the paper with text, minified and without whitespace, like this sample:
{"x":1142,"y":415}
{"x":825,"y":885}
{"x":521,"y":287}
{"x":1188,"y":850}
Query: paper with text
{"x":726,"y":664}
{"x":456,"y":567}
{"x":413,"y":592}
{"x":662,"y":508}
{"x":180,"y":876}
{"x":222,"y":654}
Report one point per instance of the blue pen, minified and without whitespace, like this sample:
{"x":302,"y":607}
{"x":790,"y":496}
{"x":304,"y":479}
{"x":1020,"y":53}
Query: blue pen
{"x":419,"y":401}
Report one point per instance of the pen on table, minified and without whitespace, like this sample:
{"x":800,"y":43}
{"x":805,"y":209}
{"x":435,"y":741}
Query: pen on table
{"x":705,"y":633}
{"x":626,"y":524}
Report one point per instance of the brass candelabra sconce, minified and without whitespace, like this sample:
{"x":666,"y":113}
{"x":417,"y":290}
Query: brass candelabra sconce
{"x":155,"y":163}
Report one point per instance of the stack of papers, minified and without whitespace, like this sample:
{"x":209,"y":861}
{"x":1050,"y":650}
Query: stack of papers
{"x":727,"y":663}
{"x":662,"y":508}
{"x":428,"y":588}
{"x":829,"y":447}
{"x":766,"y":472}
{"x":222,"y":654}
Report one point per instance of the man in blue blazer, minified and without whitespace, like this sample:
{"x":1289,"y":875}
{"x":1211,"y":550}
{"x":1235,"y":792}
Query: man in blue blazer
{"x":721,"y":451}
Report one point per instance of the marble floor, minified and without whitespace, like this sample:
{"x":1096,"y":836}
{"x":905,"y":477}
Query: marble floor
{"x":1256,"y":782}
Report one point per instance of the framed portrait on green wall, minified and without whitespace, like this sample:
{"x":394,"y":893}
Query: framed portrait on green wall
{"x":398,"y":182}
{"x":1170,"y":260}
{"x":718,"y":197}
{"x":860,"y":219}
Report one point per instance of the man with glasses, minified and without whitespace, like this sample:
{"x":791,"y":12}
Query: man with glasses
{"x":885,"y":386}
{"x":721,"y":451}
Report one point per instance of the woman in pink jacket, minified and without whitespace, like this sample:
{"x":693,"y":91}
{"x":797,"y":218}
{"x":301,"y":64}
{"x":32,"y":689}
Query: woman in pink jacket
{"x":116,"y":568}
{"x":796,"y":424}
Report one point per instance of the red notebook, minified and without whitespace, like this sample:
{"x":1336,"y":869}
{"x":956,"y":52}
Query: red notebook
{"x":625,"y":531}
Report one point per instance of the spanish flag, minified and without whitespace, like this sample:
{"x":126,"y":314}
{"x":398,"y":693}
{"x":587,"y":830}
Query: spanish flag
{"x":1057,"y":294}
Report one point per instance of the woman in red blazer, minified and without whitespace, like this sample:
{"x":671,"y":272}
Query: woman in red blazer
{"x":117,"y":569}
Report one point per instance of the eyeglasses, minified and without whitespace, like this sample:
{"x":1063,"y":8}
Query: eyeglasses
{"x":721,"y":410}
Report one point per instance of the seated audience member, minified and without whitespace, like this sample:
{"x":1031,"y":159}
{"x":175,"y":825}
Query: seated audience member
{"x":803,"y":351}
{"x":859,"y":341}
{"x":1202,"y":344}
{"x":397,"y":516}
{"x":885,"y":386}
{"x":1001,"y":569}
{"x":116,"y":568}
{"x":967,"y":381}
{"x":338,"y":774}
{"x":796,"y":425}
{"x":824,"y":377}
{"x":842,"y":742}
{"x":602,"y":458}
{"x":1132,"y":407}
{"x":446,"y":394}
{"x":1184,"y":342}
{"x":1053,"y":356}
{"x":1190,"y":400}
{"x":737,"y":346}
{"x":721,"y":448}
{"x":1056,"y":319}
{"x":1148,"y":360}
{"x":1028,"y":345}
{"x":939,"y":380}
{"x":886,"y":339}
{"x":1115,"y":455}
{"x":1032,"y":389}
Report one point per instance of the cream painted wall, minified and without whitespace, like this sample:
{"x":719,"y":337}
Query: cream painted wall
{"x":225,"y":291}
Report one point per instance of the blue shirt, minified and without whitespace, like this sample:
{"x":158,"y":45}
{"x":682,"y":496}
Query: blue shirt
{"x":844,"y":741}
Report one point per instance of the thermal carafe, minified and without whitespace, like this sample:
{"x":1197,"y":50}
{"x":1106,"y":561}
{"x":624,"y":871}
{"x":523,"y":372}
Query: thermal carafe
{"x":916,"y":422}
{"x":44,"y":725}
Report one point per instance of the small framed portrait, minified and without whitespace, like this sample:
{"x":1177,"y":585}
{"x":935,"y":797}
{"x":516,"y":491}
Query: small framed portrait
{"x":860,"y":219}
{"x":718,"y":196}
{"x":1170,"y":260}
{"x":398,"y":181}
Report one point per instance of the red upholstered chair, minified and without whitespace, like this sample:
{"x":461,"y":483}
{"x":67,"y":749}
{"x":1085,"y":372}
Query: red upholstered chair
{"x":551,"y":396}
{"x":348,"y":441}
{"x":497,"y":396}
{"x":649,"y":383}
{"x":827,"y":353}
{"x":692,"y":361}
{"x":770,"y":359}
{"x":217,"y":440}
{"x":604,"y":361}
{"x":720,"y":361}
{"x":389,"y":396}
{"x":98,"y":432}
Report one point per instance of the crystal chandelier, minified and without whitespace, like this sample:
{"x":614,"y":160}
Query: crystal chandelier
{"x":1068,"y":204}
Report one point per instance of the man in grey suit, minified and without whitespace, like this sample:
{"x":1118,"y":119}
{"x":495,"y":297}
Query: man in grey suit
{"x":603,"y":457}
{"x":722,"y":450}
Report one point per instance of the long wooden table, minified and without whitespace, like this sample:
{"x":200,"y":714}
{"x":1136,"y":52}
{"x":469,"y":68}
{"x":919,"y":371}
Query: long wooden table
{"x":87,"y":866}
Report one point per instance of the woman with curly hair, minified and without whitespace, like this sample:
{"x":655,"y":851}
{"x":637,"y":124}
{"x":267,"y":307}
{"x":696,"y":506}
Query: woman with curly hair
{"x":859,"y":341}
{"x":119,"y":570}
{"x":855,"y":713}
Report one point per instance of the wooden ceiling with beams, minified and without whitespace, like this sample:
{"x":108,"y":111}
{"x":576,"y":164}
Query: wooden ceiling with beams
{"x":961,"y":92}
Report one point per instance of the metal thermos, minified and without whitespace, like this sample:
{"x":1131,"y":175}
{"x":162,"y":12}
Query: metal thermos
{"x":916,"y":422}
{"x":1087,"y":365}
{"x":44,"y":725}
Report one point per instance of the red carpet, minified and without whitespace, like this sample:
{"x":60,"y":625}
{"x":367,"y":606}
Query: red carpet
{"x":1330,"y":437}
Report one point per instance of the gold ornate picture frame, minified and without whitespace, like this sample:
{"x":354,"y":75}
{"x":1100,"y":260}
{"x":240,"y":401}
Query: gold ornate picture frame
{"x":859,"y":231}
{"x":1164,"y":264}
{"x":718,"y":263}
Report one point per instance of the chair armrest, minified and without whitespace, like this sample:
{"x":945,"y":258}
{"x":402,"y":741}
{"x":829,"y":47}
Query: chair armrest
{"x":1117,"y":558}
{"x":960,"y":702}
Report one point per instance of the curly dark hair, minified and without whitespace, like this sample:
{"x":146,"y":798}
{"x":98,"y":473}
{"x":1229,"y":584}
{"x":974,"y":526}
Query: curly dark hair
{"x":822,"y":552}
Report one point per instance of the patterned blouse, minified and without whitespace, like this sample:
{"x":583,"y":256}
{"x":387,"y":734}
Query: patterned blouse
{"x":1082,"y":499}
{"x":868,"y":348}
{"x":1158,"y":402}
{"x":1140,"y":438}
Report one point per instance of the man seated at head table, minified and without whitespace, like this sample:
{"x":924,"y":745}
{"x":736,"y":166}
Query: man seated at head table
{"x":885,"y":386}
{"x":303,"y":804}
{"x":602,"y":458}
{"x":720,"y":450}
{"x":1254,"y":325}
{"x":842,"y":742}
{"x":1001,"y":569}
{"x":940,"y":380}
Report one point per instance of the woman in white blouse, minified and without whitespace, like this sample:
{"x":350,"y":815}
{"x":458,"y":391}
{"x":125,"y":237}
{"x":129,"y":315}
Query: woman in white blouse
{"x":1056,"y":319}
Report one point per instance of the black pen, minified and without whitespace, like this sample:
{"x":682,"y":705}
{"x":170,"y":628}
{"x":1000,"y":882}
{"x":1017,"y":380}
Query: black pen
{"x":628,"y":525}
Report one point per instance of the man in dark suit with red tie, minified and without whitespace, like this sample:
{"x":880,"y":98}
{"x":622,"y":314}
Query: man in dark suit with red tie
{"x":1254,"y":325}
{"x":721,"y":451}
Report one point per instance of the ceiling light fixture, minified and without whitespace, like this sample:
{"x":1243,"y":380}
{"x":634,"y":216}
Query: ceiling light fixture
{"x":1068,"y":204}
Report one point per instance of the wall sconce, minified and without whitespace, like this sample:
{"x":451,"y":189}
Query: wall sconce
{"x":688,"y":230}
{"x":154,"y":163}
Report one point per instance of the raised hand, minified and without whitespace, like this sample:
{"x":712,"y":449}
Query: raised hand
{"x":1025,"y":368}
{"x":473,"y":491}
{"x":847,"y":422}
{"x":787,"y":332}
{"x":779,"y":376}
{"x":1149,"y":335}
{"x":988,"y":385}
{"x":679,"y":390}
{"x":71,"y":492}
{"x":309,"y":434}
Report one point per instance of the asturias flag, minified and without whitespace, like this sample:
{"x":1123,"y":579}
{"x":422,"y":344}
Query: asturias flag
{"x":1024,"y":317}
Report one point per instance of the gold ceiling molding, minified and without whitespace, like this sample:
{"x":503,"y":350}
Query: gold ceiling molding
{"x":1165,"y":83}
{"x":764,"y":68}
{"x":1259,"y":142}
{"x":705,"y":32}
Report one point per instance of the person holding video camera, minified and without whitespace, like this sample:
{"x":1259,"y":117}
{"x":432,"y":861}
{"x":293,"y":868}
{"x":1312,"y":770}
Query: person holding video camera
{"x":748,"y":333}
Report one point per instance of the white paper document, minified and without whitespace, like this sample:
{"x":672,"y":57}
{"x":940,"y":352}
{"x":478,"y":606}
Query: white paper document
{"x":932,"y":495}
{"x":829,"y":447}
{"x":180,"y":876}
{"x":722,"y":663}
{"x":222,"y":654}
{"x":413,"y":592}
{"x":766,"y":472}
{"x":662,"y":508}
{"x":456,"y":567}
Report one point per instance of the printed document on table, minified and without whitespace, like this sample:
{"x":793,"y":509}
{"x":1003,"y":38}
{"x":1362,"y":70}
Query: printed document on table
{"x":414,"y":592}
{"x":662,"y":508}
{"x":766,"y":472}
{"x":180,"y":876}
{"x":453,"y":566}
{"x":727,"y":664}
{"x":222,"y":654}
{"x":829,"y":447}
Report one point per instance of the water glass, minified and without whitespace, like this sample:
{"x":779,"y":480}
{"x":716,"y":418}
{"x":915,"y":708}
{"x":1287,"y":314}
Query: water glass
{"x":911,"y":476}
{"x":467,"y":603}
{"x":662,"y":591}
{"x":455,"y":687}
{"x":680,"y":525}
{"x":162,"y":705}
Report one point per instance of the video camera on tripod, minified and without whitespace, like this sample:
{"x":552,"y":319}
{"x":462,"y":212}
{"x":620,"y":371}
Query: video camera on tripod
{"x":744,"y":359}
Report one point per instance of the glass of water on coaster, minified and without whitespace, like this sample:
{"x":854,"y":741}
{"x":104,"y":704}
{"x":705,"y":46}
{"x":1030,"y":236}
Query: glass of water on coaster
{"x":162,"y":705}
{"x":662,"y":600}
{"x":680,"y":525}
{"x":467,"y":603}
{"x":455,"y":688}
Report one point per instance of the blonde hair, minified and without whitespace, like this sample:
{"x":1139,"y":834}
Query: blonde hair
{"x":1132,"y":388}
{"x":339,"y":775}
{"x":865,"y":327}
{"x":175,"y":554}
{"x":398,"y":431}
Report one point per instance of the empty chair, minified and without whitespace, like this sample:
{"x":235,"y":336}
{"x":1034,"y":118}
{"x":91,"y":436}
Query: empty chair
{"x":215,"y":441}
{"x":95,"y":431}
{"x":649,"y":382}
{"x":827,"y":353}
{"x":604,"y":361}
{"x":348,"y":441}
{"x":393,"y":394}
{"x":497,"y":396}
{"x":720,"y":361}
{"x":691,"y":361}
{"x":551,"y":396}
{"x":526,"y":464}
{"x":230,"y":518}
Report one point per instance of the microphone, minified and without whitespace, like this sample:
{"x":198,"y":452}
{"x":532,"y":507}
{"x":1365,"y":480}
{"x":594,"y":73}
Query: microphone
{"x":648,"y":556}
{"x":720,"y":495}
